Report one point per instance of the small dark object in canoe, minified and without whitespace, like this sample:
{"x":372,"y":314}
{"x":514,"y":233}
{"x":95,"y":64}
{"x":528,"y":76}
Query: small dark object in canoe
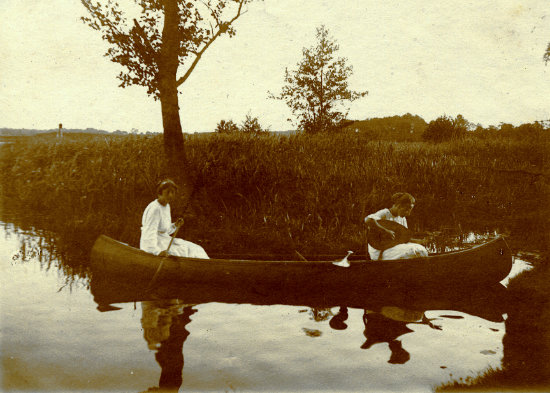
{"x":380,"y":239}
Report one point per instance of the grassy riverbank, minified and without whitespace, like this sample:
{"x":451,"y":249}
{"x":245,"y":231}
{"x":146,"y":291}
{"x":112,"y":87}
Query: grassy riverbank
{"x":279,"y":193}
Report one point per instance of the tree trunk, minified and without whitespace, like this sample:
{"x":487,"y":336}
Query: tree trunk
{"x":173,"y":135}
{"x":168,"y":90}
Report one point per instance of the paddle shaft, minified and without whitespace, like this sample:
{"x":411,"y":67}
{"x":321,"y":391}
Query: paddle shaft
{"x":162,"y":262}
{"x":173,"y":237}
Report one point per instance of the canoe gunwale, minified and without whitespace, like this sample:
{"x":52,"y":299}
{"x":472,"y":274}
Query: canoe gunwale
{"x":430,"y":258}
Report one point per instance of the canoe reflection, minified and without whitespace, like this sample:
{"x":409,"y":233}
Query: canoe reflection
{"x":163,"y":323}
{"x":486,"y":302}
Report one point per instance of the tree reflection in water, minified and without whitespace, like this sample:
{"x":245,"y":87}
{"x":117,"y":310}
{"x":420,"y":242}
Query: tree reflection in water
{"x":385,"y":326}
{"x":163,"y":323}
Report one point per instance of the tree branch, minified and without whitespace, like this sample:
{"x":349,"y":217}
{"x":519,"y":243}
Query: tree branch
{"x":213,"y":13}
{"x":145,"y":38}
{"x":222,"y":29}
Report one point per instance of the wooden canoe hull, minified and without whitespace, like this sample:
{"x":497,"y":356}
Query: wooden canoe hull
{"x":485,"y":264}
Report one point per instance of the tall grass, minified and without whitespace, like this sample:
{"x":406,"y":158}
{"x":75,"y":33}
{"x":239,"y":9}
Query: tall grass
{"x":278,"y":194}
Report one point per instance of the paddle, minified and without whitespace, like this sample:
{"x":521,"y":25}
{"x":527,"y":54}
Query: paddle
{"x":344,"y":262}
{"x":178,"y":226}
{"x":380,"y":239}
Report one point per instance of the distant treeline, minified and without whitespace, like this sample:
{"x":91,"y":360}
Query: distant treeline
{"x":405,"y":128}
{"x":395,"y":128}
{"x":4,"y":132}
{"x":413,"y":128}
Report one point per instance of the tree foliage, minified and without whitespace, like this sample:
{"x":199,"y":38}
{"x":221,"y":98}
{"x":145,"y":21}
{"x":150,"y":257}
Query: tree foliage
{"x":406,"y":127}
{"x":317,"y":91}
{"x":226,"y":127}
{"x":445,"y":128}
{"x":139,"y":46}
{"x":547,"y":54}
{"x":252,"y":125}
{"x":151,"y":47}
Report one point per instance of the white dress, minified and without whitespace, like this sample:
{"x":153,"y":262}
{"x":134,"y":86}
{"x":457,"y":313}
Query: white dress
{"x":403,"y":250}
{"x":156,"y":228}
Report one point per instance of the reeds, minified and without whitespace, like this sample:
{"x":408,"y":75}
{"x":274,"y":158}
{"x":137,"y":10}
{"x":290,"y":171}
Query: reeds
{"x":273,"y":193}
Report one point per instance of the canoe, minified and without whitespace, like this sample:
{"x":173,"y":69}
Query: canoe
{"x":481,"y":265}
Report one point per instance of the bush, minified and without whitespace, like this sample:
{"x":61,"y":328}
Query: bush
{"x":226,"y":127}
{"x":252,"y":125}
{"x":445,"y":129}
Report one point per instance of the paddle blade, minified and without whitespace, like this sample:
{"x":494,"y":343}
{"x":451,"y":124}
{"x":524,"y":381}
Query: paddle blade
{"x":343,"y":263}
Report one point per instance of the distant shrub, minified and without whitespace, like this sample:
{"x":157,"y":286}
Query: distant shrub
{"x":227,"y":127}
{"x":252,"y":125}
{"x":445,"y":128}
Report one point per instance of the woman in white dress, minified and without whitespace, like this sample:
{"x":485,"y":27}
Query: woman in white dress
{"x":157,"y":226}
{"x":403,"y":204}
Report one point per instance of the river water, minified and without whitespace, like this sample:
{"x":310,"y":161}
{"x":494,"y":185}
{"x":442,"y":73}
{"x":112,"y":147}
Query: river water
{"x":54,"y":338}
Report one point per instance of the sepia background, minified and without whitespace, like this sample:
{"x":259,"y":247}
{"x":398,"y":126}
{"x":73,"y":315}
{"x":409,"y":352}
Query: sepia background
{"x":478,"y":63}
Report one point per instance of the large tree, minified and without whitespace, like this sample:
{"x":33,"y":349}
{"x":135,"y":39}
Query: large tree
{"x":167,"y":34}
{"x":317,"y":91}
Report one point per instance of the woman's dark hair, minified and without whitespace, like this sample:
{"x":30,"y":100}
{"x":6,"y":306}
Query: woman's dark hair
{"x":166,"y":183}
{"x":402,"y":198}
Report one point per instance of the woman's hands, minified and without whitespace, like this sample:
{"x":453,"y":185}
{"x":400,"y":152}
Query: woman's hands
{"x":179,"y":222}
{"x":164,"y":253}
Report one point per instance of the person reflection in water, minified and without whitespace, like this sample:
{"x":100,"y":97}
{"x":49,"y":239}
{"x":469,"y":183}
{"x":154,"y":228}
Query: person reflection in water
{"x":164,"y":323}
{"x":385,"y":326}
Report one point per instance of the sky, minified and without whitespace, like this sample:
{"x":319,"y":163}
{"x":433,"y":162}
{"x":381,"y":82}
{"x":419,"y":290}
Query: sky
{"x":481,"y":59}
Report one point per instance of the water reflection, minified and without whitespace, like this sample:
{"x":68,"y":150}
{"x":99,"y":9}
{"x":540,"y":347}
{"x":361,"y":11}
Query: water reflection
{"x":46,"y":249}
{"x":166,"y":312}
{"x":165,"y":324}
{"x":386,"y":326}
{"x":164,"y":329}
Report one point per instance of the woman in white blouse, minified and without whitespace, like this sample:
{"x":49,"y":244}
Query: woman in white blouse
{"x":157,"y":226}
{"x":403,"y":204}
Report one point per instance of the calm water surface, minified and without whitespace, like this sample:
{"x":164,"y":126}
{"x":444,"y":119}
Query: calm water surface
{"x":55,"y":339}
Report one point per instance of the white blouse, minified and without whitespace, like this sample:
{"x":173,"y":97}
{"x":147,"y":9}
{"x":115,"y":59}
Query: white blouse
{"x":383,"y":214}
{"x":155,"y":225}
